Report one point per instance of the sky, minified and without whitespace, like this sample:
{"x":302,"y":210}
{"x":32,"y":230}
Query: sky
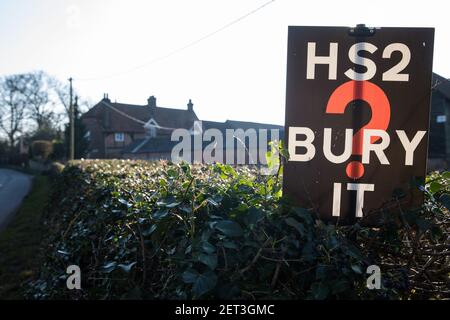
{"x":130,"y":48}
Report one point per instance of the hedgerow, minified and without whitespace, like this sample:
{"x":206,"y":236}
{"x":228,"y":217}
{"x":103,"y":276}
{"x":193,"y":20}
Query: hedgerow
{"x":159,"y":230}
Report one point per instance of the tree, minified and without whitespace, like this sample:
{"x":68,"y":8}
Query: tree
{"x":34,"y":104}
{"x":62,"y":93}
{"x":13,"y":102}
{"x":39,"y":106}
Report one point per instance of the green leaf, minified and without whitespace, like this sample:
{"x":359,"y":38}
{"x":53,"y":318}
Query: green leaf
{"x":354,"y":252}
{"x":446,"y":175}
{"x":321,"y":272}
{"x":127,"y":267}
{"x":304,"y":214}
{"x":435,"y":187}
{"x":125,"y":202}
{"x":212,"y":202}
{"x":109,"y":267}
{"x":149,"y":231}
{"x":160,"y":214}
{"x":319,"y":291}
{"x":253,"y":216}
{"x":230,"y":245}
{"x":189,"y":276}
{"x":207,"y":247}
{"x":308,"y":251}
{"x":173,"y":205}
{"x":445,"y":200}
{"x":229,"y":228}
{"x":339,"y":286}
{"x":297,"y":225}
{"x":356,"y":268}
{"x":204,"y":283}
{"x":208,"y":259}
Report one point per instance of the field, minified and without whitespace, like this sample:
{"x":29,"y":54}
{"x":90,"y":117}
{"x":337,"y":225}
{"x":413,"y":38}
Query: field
{"x":141,"y":230}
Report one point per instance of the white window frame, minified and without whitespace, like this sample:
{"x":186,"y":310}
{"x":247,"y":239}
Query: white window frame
{"x":441,"y":118}
{"x":119,"y":137}
{"x":151,"y":127}
{"x":197,"y":128}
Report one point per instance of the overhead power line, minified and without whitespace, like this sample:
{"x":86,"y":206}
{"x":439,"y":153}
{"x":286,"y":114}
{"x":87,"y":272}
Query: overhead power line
{"x":135,"y":119}
{"x":178,"y":50}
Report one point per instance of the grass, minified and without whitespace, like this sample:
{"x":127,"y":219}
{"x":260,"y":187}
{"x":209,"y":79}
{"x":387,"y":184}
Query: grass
{"x":19,"y":242}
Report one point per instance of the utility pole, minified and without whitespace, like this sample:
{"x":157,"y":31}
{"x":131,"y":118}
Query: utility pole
{"x":72,"y":125}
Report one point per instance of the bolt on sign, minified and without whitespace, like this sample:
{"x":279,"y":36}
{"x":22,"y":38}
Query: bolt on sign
{"x":357,"y":118}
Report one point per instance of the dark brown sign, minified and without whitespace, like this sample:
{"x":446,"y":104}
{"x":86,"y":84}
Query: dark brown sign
{"x":357,"y":118}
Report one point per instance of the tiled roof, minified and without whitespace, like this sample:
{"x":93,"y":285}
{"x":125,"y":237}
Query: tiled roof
{"x":441,"y":85}
{"x":109,"y":116}
{"x":164,"y":144}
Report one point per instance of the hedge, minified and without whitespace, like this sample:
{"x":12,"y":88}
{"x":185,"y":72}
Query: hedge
{"x":141,"y":230}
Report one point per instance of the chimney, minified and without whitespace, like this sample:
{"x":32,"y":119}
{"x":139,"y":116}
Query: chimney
{"x":106,"y":98}
{"x":190,"y":105}
{"x":151,"y":102}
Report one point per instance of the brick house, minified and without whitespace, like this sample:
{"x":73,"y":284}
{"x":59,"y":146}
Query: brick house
{"x":118,"y":130}
{"x":439,"y":140}
{"x":112,"y":126}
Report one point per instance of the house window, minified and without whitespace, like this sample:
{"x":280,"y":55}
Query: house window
{"x":152,"y":132}
{"x":119,"y":137}
{"x":151,"y":127}
{"x":441,"y":119}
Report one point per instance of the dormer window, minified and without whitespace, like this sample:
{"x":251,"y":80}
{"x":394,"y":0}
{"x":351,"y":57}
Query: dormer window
{"x":152,"y":132}
{"x":151,"y":127}
{"x":119,"y":137}
{"x":197,"y":128}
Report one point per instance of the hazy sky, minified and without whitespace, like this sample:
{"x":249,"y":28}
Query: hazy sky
{"x":238,"y":73}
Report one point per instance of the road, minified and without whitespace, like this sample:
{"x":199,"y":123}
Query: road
{"x":14,"y":186}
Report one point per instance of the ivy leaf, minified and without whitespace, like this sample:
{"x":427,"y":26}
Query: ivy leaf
{"x":319,"y":291}
{"x":297,"y":225}
{"x":446,"y":175}
{"x":149,"y":231}
{"x":352,"y":251}
{"x":189,"y":276}
{"x":208,"y":259}
{"x":339,"y":286}
{"x":126,"y":267}
{"x":304,"y":214}
{"x":202,"y":283}
{"x":445,"y":200}
{"x":229,"y":228}
{"x":230,"y":245}
{"x":124,"y":202}
{"x":173,"y":205}
{"x":207,"y":247}
{"x":158,"y":215}
{"x":212,"y":202}
{"x":435,"y":187}
{"x":356,"y":268}
{"x":253,"y":216}
{"x":109,"y":267}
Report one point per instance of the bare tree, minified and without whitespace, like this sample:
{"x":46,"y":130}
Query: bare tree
{"x":35,"y":101}
{"x":61,"y":90}
{"x":12,"y":105}
{"x":40,"y":107}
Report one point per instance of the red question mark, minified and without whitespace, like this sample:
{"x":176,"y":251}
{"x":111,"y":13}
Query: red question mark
{"x":381,"y":115}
